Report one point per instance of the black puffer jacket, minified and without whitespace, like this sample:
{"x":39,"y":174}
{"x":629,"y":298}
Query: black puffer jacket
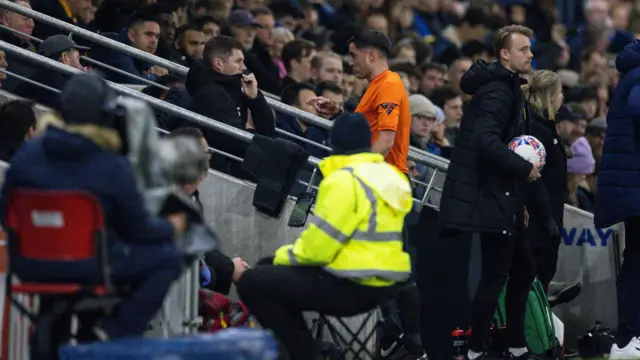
{"x":483,"y":191}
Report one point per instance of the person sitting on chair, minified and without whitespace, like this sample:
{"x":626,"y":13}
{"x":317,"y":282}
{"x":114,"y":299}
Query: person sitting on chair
{"x":350,"y":255}
{"x":85,"y":154}
{"x":218,"y":271}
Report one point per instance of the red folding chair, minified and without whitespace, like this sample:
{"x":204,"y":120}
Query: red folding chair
{"x":57,"y":227}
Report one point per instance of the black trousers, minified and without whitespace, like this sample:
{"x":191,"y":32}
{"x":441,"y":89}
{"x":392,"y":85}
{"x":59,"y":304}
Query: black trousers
{"x":545,"y":259}
{"x":628,"y":280}
{"x":406,"y":305}
{"x":503,"y":257}
{"x":277,"y":296}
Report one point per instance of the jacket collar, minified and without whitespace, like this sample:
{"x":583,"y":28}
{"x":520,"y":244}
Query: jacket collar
{"x":336,"y":162}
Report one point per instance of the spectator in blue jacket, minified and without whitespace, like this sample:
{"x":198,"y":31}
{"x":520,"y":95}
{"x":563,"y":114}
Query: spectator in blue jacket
{"x":297,"y":95}
{"x":84,"y":154}
{"x":619,"y":194}
{"x":143,"y":33}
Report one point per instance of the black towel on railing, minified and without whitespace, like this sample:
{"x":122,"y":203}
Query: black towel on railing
{"x":275,"y":164}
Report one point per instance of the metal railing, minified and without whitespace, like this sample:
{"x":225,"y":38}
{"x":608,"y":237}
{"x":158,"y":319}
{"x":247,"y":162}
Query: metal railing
{"x":182,"y":113}
{"x":417,"y":155}
{"x":133,"y":76}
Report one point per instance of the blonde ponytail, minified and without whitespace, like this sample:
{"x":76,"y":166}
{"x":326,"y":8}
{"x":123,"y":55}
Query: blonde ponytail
{"x":539,"y":92}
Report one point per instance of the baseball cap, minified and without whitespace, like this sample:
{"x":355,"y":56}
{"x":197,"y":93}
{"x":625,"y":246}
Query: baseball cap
{"x":565,"y":114}
{"x":56,"y":44}
{"x":242,"y":18}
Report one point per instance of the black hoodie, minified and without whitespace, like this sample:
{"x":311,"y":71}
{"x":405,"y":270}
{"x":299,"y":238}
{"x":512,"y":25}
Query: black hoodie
{"x":483,"y":188}
{"x":219,"y":97}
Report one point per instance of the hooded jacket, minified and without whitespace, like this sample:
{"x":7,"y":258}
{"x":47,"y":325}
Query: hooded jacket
{"x":618,"y":178}
{"x":356,"y":230}
{"x":482,"y":191}
{"x":54,"y":160}
{"x":219,"y":97}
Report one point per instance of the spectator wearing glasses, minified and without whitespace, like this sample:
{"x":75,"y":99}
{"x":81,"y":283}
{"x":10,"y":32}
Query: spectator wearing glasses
{"x":423,"y":120}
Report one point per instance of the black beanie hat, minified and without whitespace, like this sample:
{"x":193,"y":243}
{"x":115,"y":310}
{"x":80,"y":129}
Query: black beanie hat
{"x":350,"y":134}
{"x":83,"y":100}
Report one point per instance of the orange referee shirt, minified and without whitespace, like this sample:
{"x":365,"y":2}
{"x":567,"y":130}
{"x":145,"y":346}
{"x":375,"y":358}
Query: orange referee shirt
{"x":385,"y":105}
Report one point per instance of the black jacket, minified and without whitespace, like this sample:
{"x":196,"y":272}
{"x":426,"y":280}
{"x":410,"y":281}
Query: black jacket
{"x":220,"y":265}
{"x":260,"y":62}
{"x":43,"y":96}
{"x":219,"y":97}
{"x":483,"y":190}
{"x":179,"y":96}
{"x":554,"y":181}
{"x":15,"y":64}
{"x":54,"y":9}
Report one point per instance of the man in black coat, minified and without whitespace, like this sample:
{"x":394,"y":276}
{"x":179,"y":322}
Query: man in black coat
{"x":222,"y":91}
{"x":484,"y":188}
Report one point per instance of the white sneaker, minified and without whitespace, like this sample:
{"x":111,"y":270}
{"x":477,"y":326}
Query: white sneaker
{"x":629,"y":352}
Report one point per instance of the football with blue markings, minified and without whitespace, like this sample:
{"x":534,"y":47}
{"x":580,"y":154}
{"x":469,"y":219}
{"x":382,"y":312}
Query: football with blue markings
{"x":529,"y":148}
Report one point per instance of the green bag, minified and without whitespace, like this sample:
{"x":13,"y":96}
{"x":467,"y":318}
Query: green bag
{"x":539,"y":328}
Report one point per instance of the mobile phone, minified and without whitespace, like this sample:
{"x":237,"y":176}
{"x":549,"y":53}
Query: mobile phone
{"x":302,"y":209}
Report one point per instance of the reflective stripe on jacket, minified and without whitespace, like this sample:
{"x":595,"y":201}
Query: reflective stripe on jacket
{"x":356,"y":230}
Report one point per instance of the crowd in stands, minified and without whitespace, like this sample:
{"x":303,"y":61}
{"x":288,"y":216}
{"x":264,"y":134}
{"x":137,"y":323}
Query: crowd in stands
{"x":297,"y":50}
{"x":239,"y":52}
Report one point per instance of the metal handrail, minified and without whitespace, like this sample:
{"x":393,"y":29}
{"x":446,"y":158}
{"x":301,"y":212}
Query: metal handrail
{"x":146,"y":81}
{"x":417,"y":155}
{"x":90,"y":60}
{"x":170,"y":108}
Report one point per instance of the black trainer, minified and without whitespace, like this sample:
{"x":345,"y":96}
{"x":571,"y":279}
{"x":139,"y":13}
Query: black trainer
{"x":390,"y":339}
{"x":562,"y":293}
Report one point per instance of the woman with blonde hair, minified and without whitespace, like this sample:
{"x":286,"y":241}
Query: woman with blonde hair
{"x":543,"y":95}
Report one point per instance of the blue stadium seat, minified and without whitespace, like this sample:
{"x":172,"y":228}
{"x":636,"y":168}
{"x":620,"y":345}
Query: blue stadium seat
{"x":232,"y":344}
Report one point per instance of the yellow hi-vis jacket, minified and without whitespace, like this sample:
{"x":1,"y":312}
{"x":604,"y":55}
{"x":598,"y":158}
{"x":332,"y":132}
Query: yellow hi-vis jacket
{"x":356,"y":232}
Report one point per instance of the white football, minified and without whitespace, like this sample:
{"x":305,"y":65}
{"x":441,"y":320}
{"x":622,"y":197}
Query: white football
{"x":529,"y":148}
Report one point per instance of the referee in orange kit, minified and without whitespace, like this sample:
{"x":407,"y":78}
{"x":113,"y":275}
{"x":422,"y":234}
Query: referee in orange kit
{"x":385,"y":105}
